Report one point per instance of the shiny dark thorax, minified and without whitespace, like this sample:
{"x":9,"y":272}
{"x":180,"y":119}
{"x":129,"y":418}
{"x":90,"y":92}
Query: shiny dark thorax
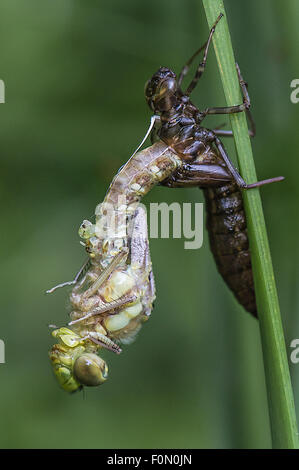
{"x":183,"y":133}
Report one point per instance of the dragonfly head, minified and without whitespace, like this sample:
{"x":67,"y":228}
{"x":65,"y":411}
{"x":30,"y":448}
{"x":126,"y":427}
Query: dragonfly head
{"x":160,"y":90}
{"x":73,"y":365}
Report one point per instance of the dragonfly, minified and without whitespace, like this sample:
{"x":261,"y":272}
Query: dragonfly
{"x":113,"y":293}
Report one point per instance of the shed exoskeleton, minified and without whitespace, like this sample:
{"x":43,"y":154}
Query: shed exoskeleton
{"x":113,"y":293}
{"x":206,"y":164}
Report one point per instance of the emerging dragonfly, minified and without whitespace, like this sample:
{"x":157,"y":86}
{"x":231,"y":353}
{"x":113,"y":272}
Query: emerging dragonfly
{"x":114,"y":292}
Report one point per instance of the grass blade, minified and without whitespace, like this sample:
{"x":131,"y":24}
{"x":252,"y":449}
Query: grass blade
{"x":280,"y":395}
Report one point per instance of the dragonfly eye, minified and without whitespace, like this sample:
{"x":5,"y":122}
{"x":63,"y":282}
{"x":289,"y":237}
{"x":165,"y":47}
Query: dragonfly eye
{"x":160,"y":94}
{"x":90,"y":370}
{"x":168,"y":86}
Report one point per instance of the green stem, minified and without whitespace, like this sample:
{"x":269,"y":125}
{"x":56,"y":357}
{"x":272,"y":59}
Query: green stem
{"x":280,"y":395}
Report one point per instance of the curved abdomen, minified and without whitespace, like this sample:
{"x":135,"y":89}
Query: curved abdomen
{"x":226,"y":224}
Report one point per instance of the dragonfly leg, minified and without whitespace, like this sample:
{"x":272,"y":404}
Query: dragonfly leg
{"x":186,"y":67}
{"x":226,"y":133}
{"x":233,"y":109}
{"x":198,"y":174}
{"x":246,"y":98}
{"x":103,"y":341}
{"x":234,"y":172}
{"x":78,"y":276}
{"x":201,"y":66}
{"x":105,"y":307}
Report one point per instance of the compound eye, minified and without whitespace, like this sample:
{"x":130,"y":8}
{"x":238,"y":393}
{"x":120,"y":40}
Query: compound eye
{"x":90,"y":370}
{"x":168,"y":86}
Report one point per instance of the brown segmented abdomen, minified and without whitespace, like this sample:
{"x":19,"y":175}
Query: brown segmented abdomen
{"x":226,"y":224}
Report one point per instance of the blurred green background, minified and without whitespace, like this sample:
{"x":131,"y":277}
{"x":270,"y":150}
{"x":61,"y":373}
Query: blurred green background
{"x":74,"y":73}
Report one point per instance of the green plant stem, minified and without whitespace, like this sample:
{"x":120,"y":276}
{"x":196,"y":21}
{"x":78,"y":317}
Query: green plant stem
{"x":280,"y":395}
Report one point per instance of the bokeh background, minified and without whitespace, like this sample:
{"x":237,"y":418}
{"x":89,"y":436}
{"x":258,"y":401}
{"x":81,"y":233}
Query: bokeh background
{"x":74,"y":73}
